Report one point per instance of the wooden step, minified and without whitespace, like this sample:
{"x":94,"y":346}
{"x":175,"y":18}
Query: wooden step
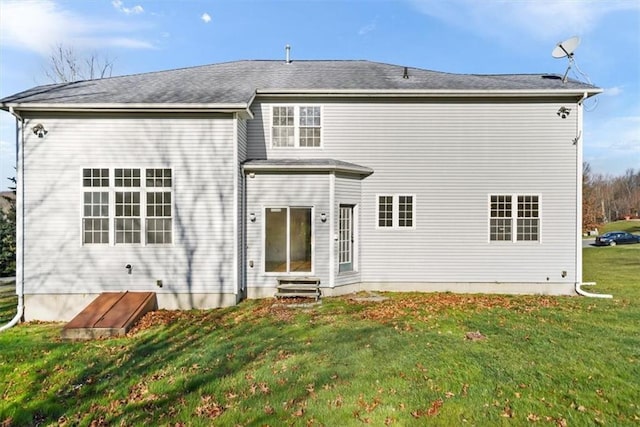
{"x":111,"y":314}
{"x":298,"y":287}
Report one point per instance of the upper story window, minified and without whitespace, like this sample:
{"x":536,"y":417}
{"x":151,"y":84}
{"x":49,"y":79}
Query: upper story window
{"x":296,"y":126}
{"x":503,"y":214}
{"x":396,"y":211}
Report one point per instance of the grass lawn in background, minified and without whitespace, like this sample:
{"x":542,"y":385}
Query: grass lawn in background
{"x":631,"y":226}
{"x":413,"y":359}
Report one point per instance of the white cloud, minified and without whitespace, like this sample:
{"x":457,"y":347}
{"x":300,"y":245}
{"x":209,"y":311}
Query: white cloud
{"x":38,"y":26}
{"x":119,"y":5}
{"x":368,"y":28}
{"x":543,"y":20}
{"x":612,"y":91}
{"x":206,"y":18}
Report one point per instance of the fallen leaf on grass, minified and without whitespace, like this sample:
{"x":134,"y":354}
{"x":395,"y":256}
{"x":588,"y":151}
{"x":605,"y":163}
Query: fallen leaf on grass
{"x":209,"y":408}
{"x":474,"y":336}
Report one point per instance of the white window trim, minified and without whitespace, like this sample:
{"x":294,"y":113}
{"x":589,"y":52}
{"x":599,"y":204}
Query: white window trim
{"x":143,"y":189}
{"x":296,"y":126}
{"x":395,"y":214}
{"x":264,"y":236}
{"x":514,"y":219}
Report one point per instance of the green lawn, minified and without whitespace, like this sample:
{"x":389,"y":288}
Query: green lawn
{"x":632,"y":226}
{"x":405,"y":361}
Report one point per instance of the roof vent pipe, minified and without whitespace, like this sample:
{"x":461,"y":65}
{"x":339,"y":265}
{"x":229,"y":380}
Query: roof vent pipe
{"x":405,"y":74}
{"x":287,"y":49}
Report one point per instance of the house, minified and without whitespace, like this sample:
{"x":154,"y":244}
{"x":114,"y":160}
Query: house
{"x":210,"y":184}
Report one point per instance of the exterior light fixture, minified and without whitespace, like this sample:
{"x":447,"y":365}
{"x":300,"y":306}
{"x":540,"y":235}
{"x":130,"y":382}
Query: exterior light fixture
{"x":563,"y":112}
{"x":252,"y":217}
{"x":323,"y":217}
{"x":39,"y":130}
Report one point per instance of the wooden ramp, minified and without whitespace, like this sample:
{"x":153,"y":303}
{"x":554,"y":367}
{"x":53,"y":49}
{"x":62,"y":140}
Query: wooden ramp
{"x":111,"y":314}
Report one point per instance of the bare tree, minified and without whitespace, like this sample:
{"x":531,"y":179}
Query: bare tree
{"x":66,"y":66}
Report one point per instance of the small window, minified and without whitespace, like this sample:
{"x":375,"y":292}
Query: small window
{"x":500,"y":223}
{"x":396,"y":211}
{"x":296,"y":126}
{"x":385,"y":211}
{"x":405,"y":211}
{"x":310,"y":126}
{"x":127,"y":177}
{"x":528,"y":218}
{"x":283,"y":130}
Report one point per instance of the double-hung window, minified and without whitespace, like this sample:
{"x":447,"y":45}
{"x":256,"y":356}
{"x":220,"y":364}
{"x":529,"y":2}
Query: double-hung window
{"x":506,"y":210}
{"x":396,"y":211}
{"x":136,"y":202}
{"x":127,"y":222}
{"x":158,"y":222}
{"x":296,"y":126}
{"x":95,"y":215}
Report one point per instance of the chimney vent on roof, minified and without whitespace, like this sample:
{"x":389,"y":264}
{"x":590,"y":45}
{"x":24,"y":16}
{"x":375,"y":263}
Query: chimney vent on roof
{"x":405,"y":75}
{"x":287,"y":49}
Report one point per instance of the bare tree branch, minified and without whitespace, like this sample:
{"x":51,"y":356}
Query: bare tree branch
{"x":65,"y":65}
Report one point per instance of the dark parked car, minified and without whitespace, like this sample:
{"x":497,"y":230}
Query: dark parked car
{"x":613,"y":238}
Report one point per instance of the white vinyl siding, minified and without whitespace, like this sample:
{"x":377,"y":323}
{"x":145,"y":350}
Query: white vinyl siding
{"x":451,"y":155}
{"x":265,"y":191}
{"x":198,"y":150}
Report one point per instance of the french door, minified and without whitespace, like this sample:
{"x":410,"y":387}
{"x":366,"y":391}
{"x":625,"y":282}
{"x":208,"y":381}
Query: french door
{"x":345,"y":238}
{"x":288,"y":240}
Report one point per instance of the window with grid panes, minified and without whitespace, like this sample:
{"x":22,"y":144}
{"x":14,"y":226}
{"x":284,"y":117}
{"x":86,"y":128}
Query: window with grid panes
{"x":500,"y":221}
{"x":296,"y":126}
{"x":405,"y":211}
{"x":385,"y":211}
{"x":283,"y":127}
{"x":528,"y":218}
{"x":521,"y":210}
{"x":95,"y":206}
{"x":127,"y":206}
{"x":159,"y":227}
{"x":309,"y":126}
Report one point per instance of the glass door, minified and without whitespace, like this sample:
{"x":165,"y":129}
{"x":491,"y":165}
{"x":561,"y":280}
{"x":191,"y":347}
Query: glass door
{"x":288,"y":240}
{"x":345,"y":238}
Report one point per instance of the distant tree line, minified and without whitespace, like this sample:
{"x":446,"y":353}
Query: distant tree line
{"x":609,"y":198}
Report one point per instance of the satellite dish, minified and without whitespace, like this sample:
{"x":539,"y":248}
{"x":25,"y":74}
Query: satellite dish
{"x":566,"y":48}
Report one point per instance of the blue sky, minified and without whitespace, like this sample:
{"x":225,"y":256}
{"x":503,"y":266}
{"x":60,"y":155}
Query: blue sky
{"x":458,"y":36}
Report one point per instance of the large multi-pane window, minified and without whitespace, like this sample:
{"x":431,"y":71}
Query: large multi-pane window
{"x":296,"y":126}
{"x":525,"y":214}
{"x":95,"y":206}
{"x":396,"y":211}
{"x":136,"y":201}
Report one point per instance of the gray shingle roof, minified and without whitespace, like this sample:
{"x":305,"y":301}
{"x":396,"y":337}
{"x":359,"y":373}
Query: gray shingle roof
{"x":305,"y":165}
{"x":237,"y":82}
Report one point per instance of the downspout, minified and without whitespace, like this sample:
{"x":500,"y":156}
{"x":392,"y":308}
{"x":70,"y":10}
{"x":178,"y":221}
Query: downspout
{"x":579,"y":177}
{"x":19,"y":228}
